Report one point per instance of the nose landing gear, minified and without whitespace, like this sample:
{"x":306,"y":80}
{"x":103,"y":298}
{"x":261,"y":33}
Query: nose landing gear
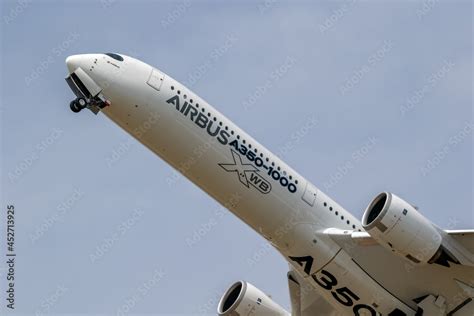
{"x":88,"y":93}
{"x":78,"y":104}
{"x":95,"y":104}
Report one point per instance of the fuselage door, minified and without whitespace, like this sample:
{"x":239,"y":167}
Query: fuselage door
{"x":156,"y":79}
{"x":309,"y":195}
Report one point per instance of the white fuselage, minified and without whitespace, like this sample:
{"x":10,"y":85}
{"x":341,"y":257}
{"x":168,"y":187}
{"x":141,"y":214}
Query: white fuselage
{"x":242,"y":175}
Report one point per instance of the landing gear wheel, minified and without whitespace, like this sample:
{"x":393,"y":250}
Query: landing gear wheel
{"x":74,"y":107}
{"x":78,"y":104}
{"x":81,"y":103}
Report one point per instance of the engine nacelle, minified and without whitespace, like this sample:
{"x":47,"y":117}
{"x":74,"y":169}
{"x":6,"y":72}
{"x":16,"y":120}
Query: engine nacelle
{"x":242,"y":298}
{"x":398,"y":226}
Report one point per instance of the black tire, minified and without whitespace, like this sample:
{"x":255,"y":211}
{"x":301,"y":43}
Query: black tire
{"x":74,"y":107}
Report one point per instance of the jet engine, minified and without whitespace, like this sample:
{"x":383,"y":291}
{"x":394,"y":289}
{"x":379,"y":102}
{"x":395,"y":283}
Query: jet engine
{"x":242,"y":298}
{"x":398,"y":226}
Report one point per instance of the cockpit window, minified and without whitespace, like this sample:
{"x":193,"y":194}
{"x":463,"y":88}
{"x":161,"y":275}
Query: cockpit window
{"x":115,"y":56}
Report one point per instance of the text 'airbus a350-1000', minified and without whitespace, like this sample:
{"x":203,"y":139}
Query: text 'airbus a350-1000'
{"x":393,"y":262}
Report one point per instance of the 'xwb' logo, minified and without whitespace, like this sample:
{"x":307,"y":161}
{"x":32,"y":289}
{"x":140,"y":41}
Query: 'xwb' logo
{"x":247,"y":173}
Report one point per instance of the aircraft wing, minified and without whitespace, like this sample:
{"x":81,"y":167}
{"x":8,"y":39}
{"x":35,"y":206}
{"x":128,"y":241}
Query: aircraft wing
{"x":464,"y":237}
{"x":411,"y":282}
{"x":305,"y":300}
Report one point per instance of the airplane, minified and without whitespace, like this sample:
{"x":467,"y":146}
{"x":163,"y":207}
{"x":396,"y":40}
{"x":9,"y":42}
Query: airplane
{"x":393,"y":262}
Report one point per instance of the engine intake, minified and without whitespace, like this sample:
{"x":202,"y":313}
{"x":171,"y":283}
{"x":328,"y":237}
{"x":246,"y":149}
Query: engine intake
{"x":242,"y":298}
{"x":398,"y":226}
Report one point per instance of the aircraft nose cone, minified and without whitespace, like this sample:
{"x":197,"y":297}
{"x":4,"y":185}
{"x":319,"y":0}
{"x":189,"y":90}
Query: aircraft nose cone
{"x":73,"y":62}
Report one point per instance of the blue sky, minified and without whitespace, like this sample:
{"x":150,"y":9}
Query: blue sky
{"x":359,"y":97}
